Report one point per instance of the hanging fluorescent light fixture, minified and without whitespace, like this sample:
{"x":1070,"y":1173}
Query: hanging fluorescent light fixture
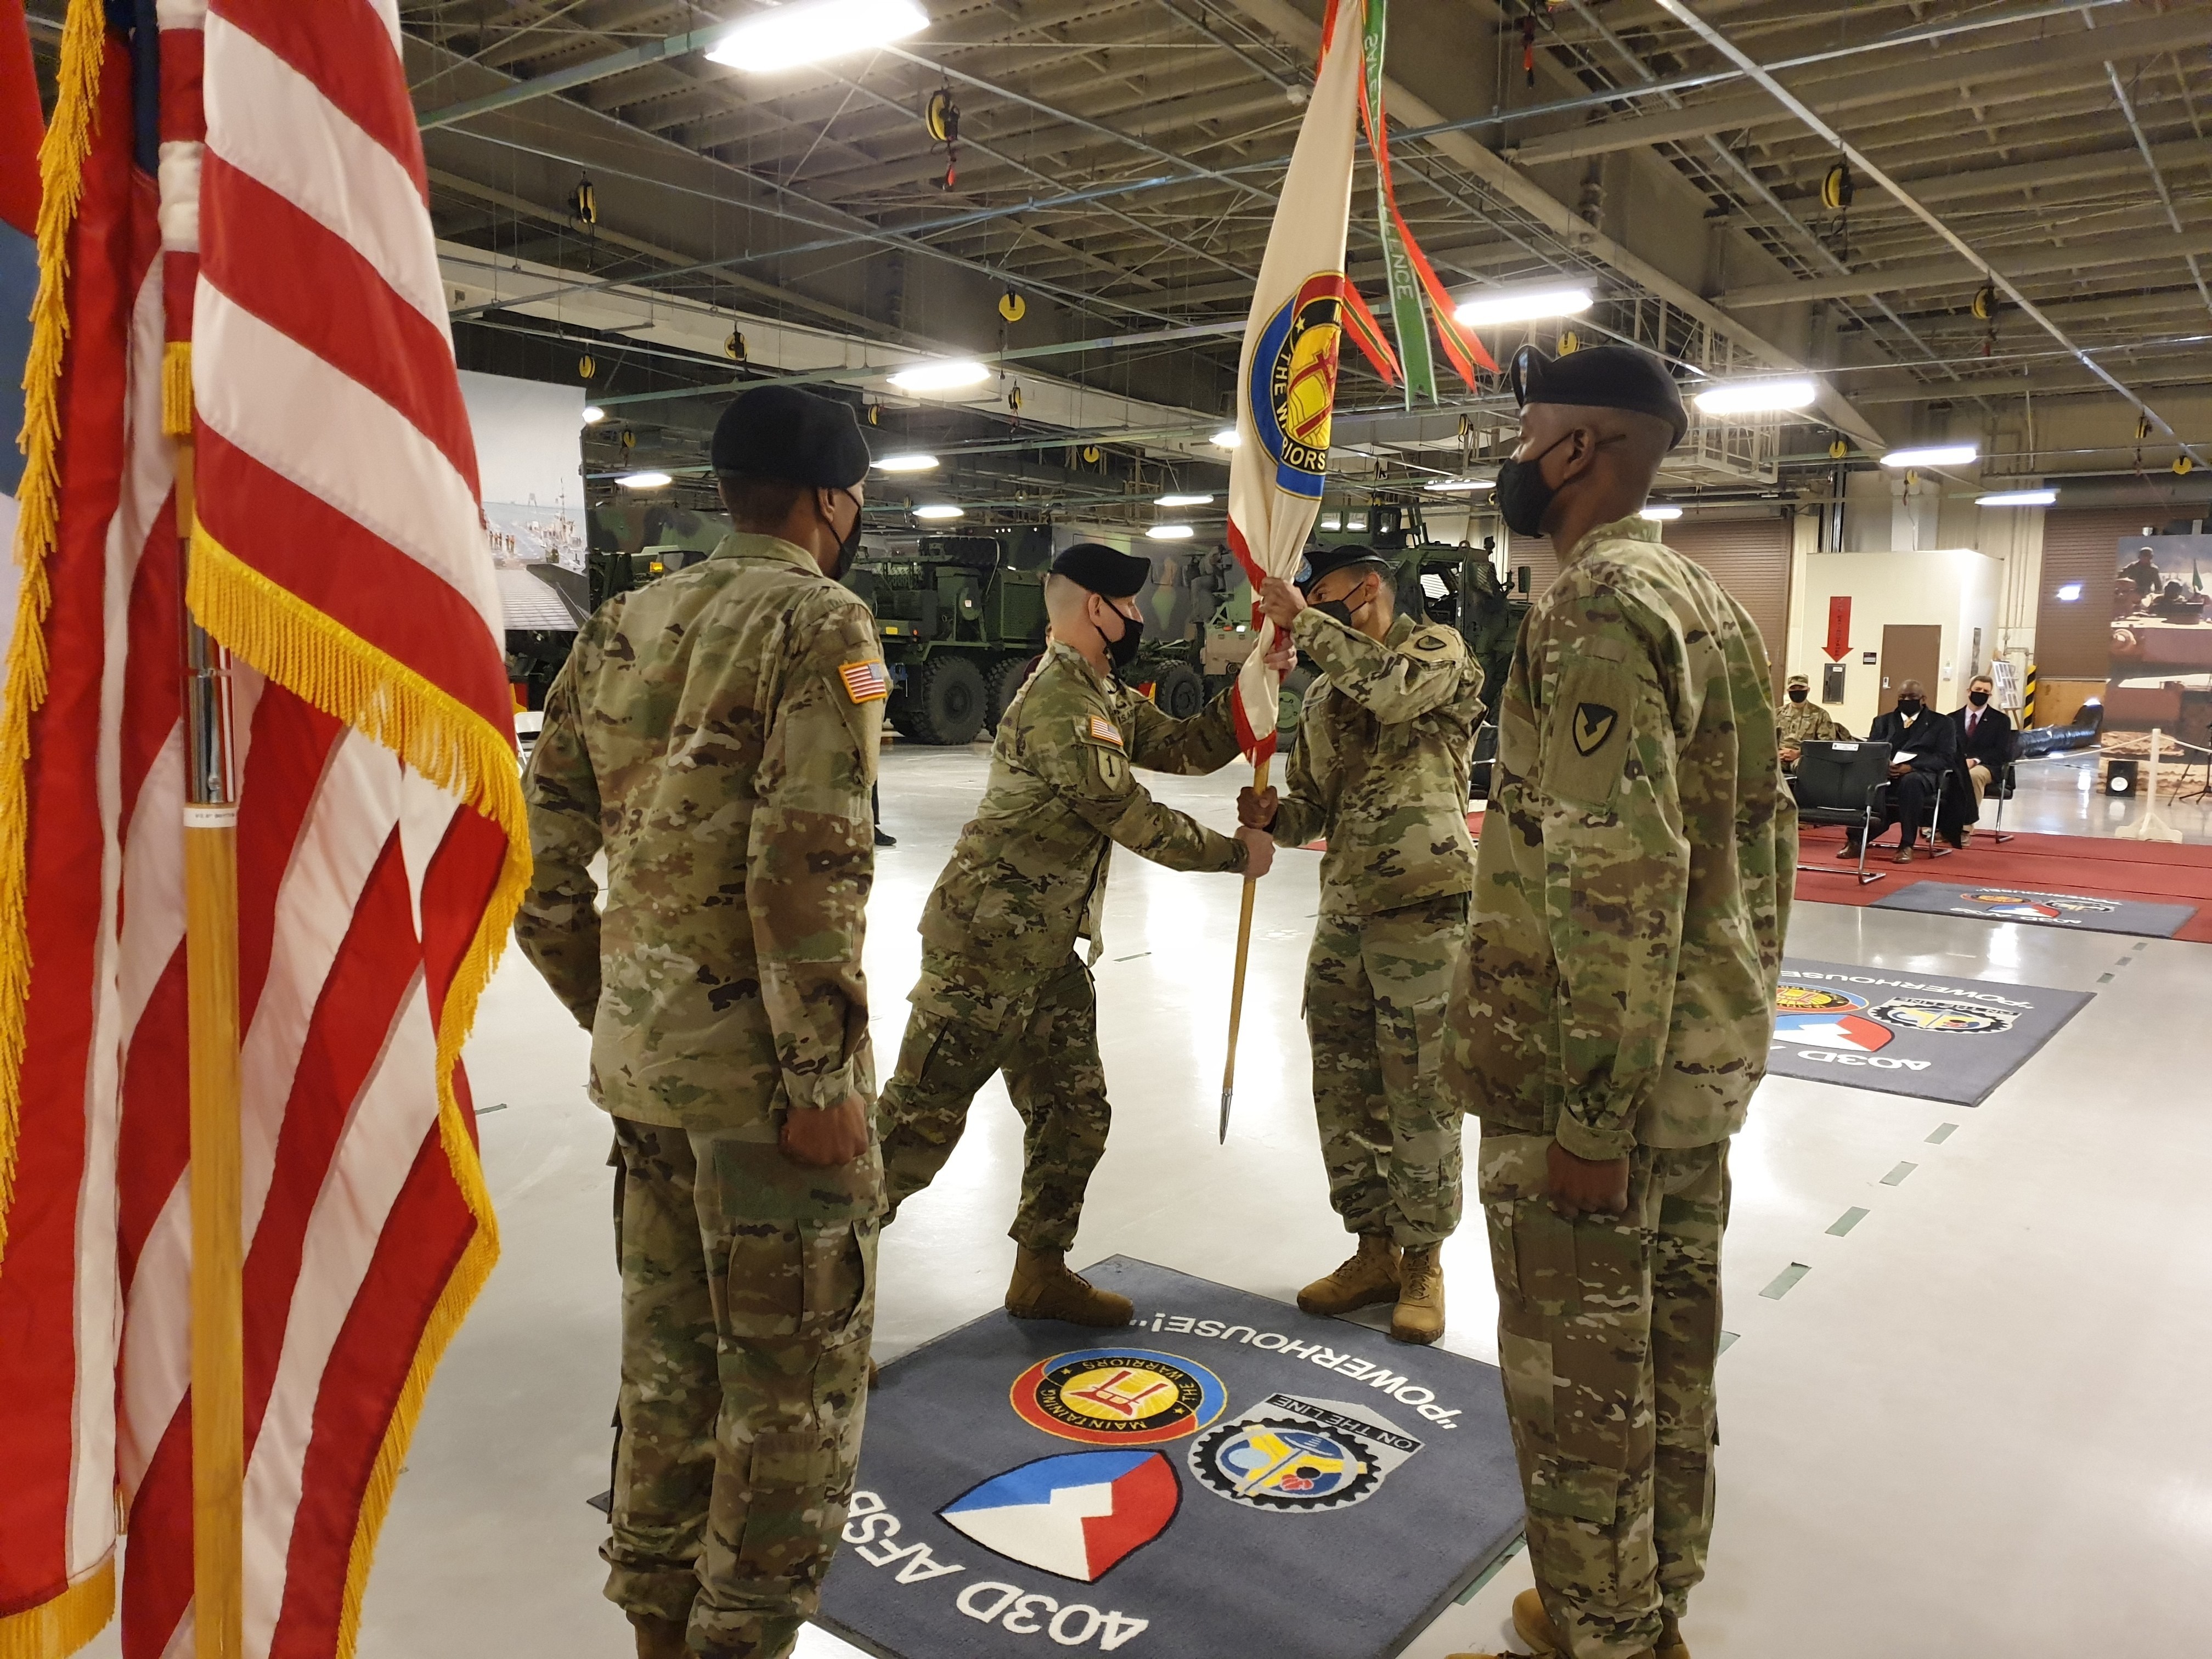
{"x":593,"y":414}
{"x":940,"y":510}
{"x":941,"y":377}
{"x":1660,"y":513}
{"x":1937,"y":455}
{"x":1459,"y":486}
{"x":907,"y":464}
{"x":1228,"y":438}
{"x":644,"y":480}
{"x":2018,"y":498}
{"x":815,"y":30}
{"x":1525,"y":305}
{"x":1183,"y":501}
{"x":1169,"y":532}
{"x":1757,"y":397}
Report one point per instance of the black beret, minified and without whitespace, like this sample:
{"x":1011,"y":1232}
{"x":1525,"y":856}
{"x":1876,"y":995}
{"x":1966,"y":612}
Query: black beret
{"x":1599,"y":377}
{"x":797,"y":437}
{"x":1098,"y":567}
{"x":1322,"y":560}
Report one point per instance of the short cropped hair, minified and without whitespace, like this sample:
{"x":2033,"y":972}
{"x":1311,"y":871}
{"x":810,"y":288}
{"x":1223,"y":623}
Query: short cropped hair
{"x":760,"y":503}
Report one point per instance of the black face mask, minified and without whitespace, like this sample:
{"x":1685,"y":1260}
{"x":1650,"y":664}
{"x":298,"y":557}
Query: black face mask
{"x":1909,"y":706}
{"x":849,"y":544}
{"x":1979,"y":699}
{"x":1123,"y":652}
{"x":1342,"y":609}
{"x":1523,"y":497}
{"x":1797,"y":693}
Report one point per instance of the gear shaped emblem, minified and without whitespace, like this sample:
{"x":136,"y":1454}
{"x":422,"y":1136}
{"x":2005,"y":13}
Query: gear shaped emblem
{"x":1285,"y":1466}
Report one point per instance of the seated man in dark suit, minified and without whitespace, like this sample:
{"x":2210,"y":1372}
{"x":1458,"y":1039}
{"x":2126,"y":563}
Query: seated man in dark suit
{"x":1984,"y":739}
{"x":1924,"y":745}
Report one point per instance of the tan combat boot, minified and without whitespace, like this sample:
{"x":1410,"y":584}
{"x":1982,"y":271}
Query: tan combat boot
{"x":1369,"y":1277}
{"x":1419,"y":1316}
{"x":659,"y":1638}
{"x":1043,"y":1288}
{"x":1671,"y":1644}
{"x":1534,"y":1626}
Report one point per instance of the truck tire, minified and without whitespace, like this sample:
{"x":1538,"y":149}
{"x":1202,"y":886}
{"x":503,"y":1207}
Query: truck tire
{"x":946,"y":703}
{"x":1005,"y":680}
{"x":1179,"y":692}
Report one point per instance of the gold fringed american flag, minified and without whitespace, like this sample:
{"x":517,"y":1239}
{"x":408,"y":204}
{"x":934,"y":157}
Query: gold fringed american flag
{"x":234,"y":224}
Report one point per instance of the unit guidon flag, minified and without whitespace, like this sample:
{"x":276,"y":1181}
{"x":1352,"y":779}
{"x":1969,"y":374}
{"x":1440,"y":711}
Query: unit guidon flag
{"x":1932,"y":1037}
{"x":1224,"y":1476}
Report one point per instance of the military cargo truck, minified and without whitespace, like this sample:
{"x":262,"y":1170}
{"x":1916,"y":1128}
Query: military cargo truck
{"x":960,"y":618}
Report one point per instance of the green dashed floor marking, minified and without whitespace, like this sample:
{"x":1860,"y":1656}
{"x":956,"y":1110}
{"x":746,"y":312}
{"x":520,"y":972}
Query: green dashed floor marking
{"x":501,"y":1107}
{"x":1727,"y":1341}
{"x":1943,"y":1132}
{"x":2103,"y":978}
{"x":1140,"y":953}
{"x":1784,"y":1280}
{"x":1896,"y":1178}
{"x":1849,"y":1219}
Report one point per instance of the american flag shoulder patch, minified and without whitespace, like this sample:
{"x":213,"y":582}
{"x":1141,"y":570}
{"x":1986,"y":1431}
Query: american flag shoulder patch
{"x":865,"y":681}
{"x":1102,"y":730}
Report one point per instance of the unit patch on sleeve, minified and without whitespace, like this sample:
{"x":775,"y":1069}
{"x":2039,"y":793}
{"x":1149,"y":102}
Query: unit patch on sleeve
{"x":865,"y":681}
{"x":1594,"y":724}
{"x":1101,"y":729}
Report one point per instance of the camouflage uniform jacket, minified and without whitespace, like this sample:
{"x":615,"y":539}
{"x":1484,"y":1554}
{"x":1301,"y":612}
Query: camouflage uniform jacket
{"x":1028,"y":876}
{"x":715,"y":733}
{"x":1380,"y":764}
{"x":1633,"y":884}
{"x":1801,"y":723}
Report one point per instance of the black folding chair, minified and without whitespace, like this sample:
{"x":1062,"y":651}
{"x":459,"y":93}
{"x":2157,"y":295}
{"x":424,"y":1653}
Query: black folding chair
{"x":1841,"y":783}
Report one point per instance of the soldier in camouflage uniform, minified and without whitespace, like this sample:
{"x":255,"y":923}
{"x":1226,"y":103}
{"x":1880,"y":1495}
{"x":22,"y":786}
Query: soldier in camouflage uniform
{"x":1633,"y":890}
{"x":714,"y":733}
{"x":1801,"y":720}
{"x":1380,"y":767}
{"x":1003,"y":988}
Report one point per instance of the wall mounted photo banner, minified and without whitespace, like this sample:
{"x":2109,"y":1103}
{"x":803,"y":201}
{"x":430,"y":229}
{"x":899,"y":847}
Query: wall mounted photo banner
{"x":1932,"y":1037}
{"x":1224,"y":1476}
{"x":2075,"y":910}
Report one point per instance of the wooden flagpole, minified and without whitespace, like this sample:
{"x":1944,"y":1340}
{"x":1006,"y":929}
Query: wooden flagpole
{"x":1244,"y":951}
{"x":211,"y":982}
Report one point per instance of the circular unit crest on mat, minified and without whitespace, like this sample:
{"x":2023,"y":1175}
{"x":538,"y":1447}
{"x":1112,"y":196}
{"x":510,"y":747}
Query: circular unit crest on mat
{"x":1939,"y":1015}
{"x":1286,"y":1466}
{"x":1118,"y":1396}
{"x":1792,"y":998}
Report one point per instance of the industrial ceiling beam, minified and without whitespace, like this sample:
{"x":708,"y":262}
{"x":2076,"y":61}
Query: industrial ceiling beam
{"x":1948,"y":273}
{"x":2025,"y":70}
{"x":1797,"y":106}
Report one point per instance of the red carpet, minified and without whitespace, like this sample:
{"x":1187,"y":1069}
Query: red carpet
{"x":2150,"y":873}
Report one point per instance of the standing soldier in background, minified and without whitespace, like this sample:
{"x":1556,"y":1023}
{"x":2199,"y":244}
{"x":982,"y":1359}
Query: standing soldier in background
{"x":1002,"y":987}
{"x":716,"y":733}
{"x":1802,"y":721}
{"x":1380,"y":767}
{"x":1631,"y":894}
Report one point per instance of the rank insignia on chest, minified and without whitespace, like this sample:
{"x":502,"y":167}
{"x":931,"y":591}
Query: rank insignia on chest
{"x":1101,"y":729}
{"x":865,"y":682}
{"x":1594,"y":724}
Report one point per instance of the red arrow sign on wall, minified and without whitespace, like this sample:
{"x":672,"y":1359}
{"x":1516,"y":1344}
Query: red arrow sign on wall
{"x":1840,"y":629}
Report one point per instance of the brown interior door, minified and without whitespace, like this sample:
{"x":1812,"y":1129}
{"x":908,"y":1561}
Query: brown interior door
{"x":1911,"y":651}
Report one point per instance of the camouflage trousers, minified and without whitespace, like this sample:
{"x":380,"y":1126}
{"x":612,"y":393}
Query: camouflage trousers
{"x":1607,"y":1329}
{"x":1049,"y":1052}
{"x":1377,"y":995}
{"x":745,"y":1379}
